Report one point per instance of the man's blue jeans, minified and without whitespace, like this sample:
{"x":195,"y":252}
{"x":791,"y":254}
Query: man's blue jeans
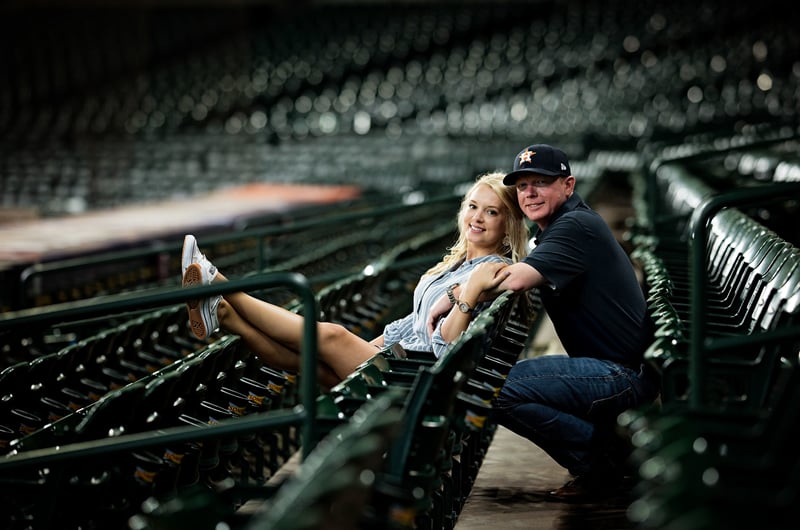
{"x":568,"y":405}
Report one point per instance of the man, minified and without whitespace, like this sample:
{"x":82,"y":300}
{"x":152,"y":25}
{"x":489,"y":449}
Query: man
{"x":568,"y":404}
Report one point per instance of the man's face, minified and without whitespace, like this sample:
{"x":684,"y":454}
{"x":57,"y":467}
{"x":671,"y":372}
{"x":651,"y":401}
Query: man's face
{"x":540,"y":196}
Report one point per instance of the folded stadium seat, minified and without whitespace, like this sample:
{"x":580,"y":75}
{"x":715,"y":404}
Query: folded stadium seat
{"x":780,"y":280}
{"x":471,"y":440}
{"x":422,"y":456}
{"x":161,"y":403}
{"x":112,"y":414}
{"x":745,"y":264}
{"x":192,"y":373}
{"x":786,"y":171}
{"x":723,"y":465}
{"x":18,"y":422}
{"x":731,"y":304}
{"x":7,"y":435}
{"x":280,"y":383}
{"x":332,"y":484}
{"x":170,"y":337}
{"x":259,"y":394}
{"x":781,"y":309}
{"x":24,"y":422}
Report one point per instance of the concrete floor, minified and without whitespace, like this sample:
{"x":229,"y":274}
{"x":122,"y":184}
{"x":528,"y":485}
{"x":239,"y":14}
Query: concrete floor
{"x":510,"y":488}
{"x":510,"y":493}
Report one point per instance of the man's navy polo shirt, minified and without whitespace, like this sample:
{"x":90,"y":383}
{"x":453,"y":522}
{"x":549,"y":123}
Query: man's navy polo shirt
{"x":591,"y":292}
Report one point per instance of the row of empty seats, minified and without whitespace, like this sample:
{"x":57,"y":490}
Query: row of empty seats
{"x":258,"y":93}
{"x":723,"y":289}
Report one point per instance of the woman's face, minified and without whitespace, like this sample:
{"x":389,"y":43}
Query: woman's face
{"x":483,"y":221}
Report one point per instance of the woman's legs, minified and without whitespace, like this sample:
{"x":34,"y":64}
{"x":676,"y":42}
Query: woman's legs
{"x":270,"y":351}
{"x":275,"y":334}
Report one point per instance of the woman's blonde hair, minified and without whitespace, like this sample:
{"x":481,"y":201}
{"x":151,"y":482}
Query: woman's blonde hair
{"x":515,"y":243}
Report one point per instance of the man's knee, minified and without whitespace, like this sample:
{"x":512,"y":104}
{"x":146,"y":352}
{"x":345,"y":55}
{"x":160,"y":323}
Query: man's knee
{"x":499,"y":414}
{"x":504,"y":402}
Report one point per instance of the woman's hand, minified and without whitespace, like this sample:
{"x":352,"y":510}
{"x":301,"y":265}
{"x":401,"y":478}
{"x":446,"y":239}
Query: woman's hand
{"x":438,"y":310}
{"x":487,"y":276}
{"x":483,"y":279}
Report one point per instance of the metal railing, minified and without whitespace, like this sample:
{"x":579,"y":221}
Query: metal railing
{"x":303,"y":414}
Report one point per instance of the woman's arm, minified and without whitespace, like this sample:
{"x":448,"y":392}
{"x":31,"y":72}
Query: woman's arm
{"x":438,"y":310}
{"x":492,"y":290}
{"x":486,"y":277}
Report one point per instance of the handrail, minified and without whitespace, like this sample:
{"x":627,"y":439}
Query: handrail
{"x":117,"y":303}
{"x":146,"y":439}
{"x":29,"y":273}
{"x":698,"y":342}
{"x":652,"y":197}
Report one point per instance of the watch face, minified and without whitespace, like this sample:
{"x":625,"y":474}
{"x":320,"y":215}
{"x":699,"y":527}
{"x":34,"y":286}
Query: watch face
{"x":464,"y":307}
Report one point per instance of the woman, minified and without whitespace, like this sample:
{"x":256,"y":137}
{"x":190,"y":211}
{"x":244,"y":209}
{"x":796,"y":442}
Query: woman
{"x":492,"y":233}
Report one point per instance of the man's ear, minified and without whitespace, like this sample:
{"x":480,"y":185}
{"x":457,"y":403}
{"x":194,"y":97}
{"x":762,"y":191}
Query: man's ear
{"x":570,"y":184}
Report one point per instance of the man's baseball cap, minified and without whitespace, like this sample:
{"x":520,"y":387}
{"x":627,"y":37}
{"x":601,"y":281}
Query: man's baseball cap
{"x":539,"y":159}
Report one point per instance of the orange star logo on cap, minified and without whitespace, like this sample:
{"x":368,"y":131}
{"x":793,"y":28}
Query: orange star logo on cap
{"x":526,"y":156}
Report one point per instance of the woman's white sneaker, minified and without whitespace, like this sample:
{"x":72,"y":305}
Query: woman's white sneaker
{"x":191,"y":254}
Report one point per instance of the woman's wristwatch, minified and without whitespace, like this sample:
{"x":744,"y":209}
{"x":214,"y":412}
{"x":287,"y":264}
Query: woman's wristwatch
{"x":462,"y":306}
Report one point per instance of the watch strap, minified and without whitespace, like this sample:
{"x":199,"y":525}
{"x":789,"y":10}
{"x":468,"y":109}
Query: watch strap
{"x":450,"y":295}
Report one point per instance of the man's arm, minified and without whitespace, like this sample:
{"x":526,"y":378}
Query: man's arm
{"x":520,"y":277}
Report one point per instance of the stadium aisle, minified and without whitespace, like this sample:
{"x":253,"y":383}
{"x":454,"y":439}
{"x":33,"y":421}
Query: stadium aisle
{"x":510,"y":489}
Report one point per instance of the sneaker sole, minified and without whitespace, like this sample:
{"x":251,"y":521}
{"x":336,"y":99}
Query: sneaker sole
{"x":189,"y":244}
{"x":192,"y":277}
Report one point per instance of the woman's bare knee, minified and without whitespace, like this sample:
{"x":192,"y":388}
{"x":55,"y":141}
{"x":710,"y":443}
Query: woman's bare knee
{"x":330,"y":333}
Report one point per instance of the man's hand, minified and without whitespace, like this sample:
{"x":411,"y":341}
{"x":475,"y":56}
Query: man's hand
{"x":483,"y":281}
